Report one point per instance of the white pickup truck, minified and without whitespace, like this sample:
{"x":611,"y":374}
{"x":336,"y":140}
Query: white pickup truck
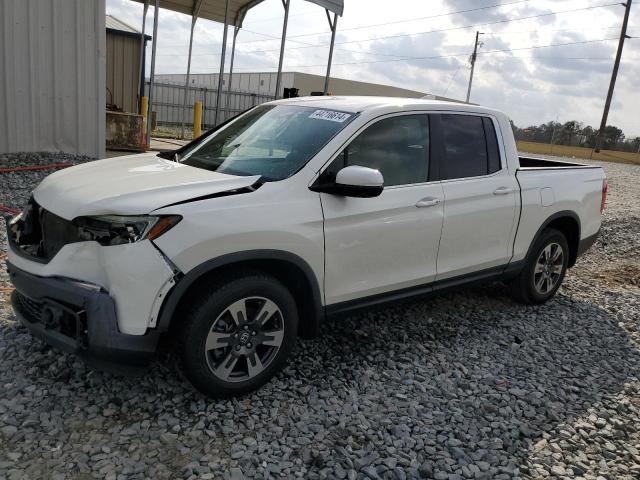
{"x":292,"y":212}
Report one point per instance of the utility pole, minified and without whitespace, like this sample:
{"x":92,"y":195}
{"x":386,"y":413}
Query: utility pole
{"x":614,"y":74}
{"x":473,"y":64}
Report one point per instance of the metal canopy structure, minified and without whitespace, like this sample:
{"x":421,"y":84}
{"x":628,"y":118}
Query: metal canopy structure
{"x":213,"y":10}
{"x":227,"y":12}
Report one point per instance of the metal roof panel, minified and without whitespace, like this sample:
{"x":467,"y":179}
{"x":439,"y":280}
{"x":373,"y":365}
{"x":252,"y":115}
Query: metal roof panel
{"x":117,"y":24}
{"x":214,"y":9}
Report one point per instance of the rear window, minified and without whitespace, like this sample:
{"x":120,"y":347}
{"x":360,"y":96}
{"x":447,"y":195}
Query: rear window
{"x":470,"y":146}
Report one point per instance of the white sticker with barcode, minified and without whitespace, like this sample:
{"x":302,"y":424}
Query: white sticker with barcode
{"x":330,"y":115}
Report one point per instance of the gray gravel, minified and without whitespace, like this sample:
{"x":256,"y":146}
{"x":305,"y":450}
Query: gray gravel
{"x":466,"y":385}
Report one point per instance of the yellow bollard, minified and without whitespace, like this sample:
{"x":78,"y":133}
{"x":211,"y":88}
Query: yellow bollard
{"x":144,"y":107}
{"x":197,"y":120}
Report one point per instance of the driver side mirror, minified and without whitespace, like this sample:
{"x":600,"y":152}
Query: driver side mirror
{"x":354,"y":181}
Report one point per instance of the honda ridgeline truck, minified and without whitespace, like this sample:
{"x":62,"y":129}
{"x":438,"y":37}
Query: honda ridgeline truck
{"x":295,"y":211}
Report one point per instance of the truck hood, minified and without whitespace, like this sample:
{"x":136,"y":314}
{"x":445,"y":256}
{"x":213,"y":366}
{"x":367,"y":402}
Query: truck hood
{"x":131,"y":185}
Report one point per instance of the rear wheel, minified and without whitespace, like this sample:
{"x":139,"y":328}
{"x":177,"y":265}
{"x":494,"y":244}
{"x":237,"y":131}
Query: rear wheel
{"x":544,"y":269}
{"x":239,"y":335}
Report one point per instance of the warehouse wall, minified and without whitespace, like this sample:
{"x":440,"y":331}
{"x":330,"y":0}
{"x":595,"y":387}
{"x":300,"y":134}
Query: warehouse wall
{"x":307,"y":83}
{"x":263,"y":83}
{"x":123,"y":68}
{"x":52,"y":76}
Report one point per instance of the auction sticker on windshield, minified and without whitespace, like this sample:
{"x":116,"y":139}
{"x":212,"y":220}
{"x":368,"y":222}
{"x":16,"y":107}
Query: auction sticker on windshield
{"x":330,"y":115}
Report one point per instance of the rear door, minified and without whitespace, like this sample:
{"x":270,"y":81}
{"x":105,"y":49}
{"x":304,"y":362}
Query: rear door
{"x":390,"y":242}
{"x":480,"y":195}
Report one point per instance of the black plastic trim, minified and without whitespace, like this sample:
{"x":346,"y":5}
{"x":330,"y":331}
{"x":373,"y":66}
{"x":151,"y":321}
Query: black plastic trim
{"x":545,"y":224}
{"x":173,"y":298}
{"x":409,"y":293}
{"x":533,"y":163}
{"x":359,"y":191}
{"x":104,"y":342}
{"x":586,"y":243}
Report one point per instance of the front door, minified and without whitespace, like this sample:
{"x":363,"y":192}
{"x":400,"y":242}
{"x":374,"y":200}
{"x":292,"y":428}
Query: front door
{"x":390,"y":242}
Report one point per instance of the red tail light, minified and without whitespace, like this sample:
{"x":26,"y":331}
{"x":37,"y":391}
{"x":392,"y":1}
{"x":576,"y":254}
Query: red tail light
{"x":605,"y":189}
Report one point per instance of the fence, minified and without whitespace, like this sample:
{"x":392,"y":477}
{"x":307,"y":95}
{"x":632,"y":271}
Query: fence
{"x":578,"y":152}
{"x":168,"y":102}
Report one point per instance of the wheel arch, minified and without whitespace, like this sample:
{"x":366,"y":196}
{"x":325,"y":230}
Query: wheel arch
{"x":294,"y":272}
{"x":567,"y":222}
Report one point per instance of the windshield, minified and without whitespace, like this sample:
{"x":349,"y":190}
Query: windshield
{"x":274,"y":141}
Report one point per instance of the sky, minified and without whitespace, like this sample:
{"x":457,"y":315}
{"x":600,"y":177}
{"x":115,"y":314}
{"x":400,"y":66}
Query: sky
{"x":425,"y":45}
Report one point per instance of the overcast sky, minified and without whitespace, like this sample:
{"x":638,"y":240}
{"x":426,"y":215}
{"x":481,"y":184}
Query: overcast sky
{"x":378,"y":41}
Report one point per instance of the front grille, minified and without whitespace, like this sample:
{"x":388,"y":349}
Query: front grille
{"x":40,"y":234}
{"x":32,"y":309}
{"x":68,"y":321}
{"x":56,"y":233}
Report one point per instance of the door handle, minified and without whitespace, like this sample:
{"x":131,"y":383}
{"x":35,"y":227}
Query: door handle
{"x":428,"y":202}
{"x":503,"y":191}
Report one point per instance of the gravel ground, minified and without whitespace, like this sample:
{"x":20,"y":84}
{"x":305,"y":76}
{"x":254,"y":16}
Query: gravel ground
{"x":465,"y":385}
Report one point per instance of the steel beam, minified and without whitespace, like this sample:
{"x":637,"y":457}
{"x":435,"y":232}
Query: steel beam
{"x":194,"y":17}
{"x":141,"y":66}
{"x":153,"y":69}
{"x":224,"y":50}
{"x":333,"y":25}
{"x":236,"y":29}
{"x":186,"y":82}
{"x":285,"y":3}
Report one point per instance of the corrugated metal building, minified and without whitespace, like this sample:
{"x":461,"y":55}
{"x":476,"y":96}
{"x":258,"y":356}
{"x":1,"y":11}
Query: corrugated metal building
{"x":52,"y":76}
{"x":264,"y":83}
{"x":123,"y":64}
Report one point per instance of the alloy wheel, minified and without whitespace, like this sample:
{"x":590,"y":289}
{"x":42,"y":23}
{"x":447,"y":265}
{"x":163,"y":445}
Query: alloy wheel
{"x":244,"y":339}
{"x":548,"y":268}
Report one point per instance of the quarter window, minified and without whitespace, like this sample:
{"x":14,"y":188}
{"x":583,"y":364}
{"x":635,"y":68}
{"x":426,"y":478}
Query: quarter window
{"x":398,"y":147}
{"x":470,"y":146}
{"x":492,"y":145}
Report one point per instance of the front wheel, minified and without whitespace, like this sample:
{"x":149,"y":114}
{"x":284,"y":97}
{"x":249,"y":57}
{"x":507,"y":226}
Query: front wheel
{"x":239,"y":335}
{"x":544,"y":269}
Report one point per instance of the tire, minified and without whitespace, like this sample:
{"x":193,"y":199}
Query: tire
{"x":238,"y":335}
{"x":539,"y":280}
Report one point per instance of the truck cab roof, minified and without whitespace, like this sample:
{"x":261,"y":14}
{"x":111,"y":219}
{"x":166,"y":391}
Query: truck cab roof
{"x":359,"y":104}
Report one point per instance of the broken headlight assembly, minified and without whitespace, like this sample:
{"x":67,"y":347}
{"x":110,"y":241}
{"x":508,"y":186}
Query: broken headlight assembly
{"x":121,"y":229}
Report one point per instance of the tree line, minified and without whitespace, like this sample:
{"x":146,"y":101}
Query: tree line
{"x":576,"y":134}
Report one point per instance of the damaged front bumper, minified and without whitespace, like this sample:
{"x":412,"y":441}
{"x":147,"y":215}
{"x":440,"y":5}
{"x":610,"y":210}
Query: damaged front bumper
{"x":77,"y":317}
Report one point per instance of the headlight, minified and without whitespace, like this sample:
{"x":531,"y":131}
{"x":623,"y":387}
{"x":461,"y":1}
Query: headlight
{"x":118,"y":230}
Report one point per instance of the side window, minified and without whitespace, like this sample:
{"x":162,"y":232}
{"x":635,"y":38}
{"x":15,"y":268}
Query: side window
{"x":397,"y":146}
{"x":465,"y":146}
{"x":492,"y":145}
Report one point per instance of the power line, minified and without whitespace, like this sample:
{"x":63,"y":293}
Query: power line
{"x":308,"y":45}
{"x":505,"y":50}
{"x":452,"y":79}
{"x":445,"y":14}
{"x":418,"y":33}
{"x":248,"y":69}
{"x":496,"y":22}
{"x":520,"y":32}
{"x":486,"y":52}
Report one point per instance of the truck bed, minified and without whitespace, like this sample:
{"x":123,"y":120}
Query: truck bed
{"x":528,"y":163}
